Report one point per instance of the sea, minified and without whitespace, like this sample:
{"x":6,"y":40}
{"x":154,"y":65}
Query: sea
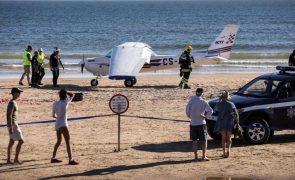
{"x":91,"y":28}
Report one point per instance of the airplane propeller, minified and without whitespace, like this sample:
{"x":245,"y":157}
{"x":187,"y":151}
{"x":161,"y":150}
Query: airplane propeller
{"x":82,"y":65}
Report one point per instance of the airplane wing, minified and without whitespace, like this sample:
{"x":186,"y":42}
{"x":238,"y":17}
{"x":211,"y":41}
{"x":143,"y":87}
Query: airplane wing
{"x":127,"y":60}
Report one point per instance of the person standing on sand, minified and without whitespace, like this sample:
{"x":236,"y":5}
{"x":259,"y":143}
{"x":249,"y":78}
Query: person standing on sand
{"x":197,"y":109}
{"x":15,"y":133}
{"x":35,"y":71}
{"x":185,"y":66}
{"x":27,"y":58}
{"x":226,"y":112}
{"x":54,"y":62}
{"x":292,"y":59}
{"x":61,"y":126}
{"x":41,"y":57}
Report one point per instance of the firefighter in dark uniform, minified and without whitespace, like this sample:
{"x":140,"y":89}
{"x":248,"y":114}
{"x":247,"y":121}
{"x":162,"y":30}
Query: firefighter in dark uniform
{"x":292,"y":59}
{"x":185,"y":66}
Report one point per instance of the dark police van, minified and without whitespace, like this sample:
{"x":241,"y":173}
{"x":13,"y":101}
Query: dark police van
{"x":265,"y":104}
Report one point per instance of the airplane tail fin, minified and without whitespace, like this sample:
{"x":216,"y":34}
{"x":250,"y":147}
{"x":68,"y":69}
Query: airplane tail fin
{"x":224,"y":42}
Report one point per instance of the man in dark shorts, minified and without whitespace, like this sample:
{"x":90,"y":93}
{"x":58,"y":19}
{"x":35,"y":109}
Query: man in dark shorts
{"x":197,"y":109}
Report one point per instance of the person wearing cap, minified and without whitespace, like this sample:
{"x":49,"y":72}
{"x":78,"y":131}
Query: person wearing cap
{"x":41,"y":63}
{"x":292,"y":59}
{"x":54,"y":62}
{"x":226,"y":113}
{"x":185,"y":60}
{"x":15,"y":133}
{"x":35,"y":70}
{"x":59,"y":111}
{"x":27,"y":58}
{"x":197,"y":109}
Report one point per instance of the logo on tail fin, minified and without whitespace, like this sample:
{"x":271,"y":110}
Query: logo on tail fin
{"x":231,"y":38}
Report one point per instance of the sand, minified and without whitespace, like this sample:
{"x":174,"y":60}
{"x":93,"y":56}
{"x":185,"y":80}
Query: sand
{"x":150,"y":149}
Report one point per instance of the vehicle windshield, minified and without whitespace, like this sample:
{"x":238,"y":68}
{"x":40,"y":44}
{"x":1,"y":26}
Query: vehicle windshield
{"x":260,"y":88}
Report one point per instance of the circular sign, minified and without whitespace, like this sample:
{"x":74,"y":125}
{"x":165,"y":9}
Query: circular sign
{"x":119,"y":104}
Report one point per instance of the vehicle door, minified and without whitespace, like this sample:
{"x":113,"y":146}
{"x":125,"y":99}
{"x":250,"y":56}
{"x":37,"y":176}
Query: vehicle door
{"x":284,"y":107}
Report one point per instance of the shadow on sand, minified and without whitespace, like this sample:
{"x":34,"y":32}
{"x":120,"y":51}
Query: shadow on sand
{"x":114,"y":169}
{"x":186,"y":146}
{"x":182,"y":146}
{"x":72,"y":87}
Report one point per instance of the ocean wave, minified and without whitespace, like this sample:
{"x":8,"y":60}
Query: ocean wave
{"x":63,"y":56}
{"x":259,"y":55}
{"x":256,"y":61}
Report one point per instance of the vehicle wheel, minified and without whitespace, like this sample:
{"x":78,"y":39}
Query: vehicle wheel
{"x":94,"y":82}
{"x":134,"y":81}
{"x":128,"y":83}
{"x":212,"y":134}
{"x":257,"y":135}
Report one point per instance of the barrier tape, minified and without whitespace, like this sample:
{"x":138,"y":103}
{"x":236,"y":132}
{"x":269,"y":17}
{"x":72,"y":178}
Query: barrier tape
{"x":69,"y":119}
{"x":175,"y":120}
{"x":155,"y":118}
{"x":142,"y":117}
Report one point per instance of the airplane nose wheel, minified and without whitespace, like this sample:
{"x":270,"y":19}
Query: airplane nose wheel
{"x":94,"y":82}
{"x":130,"y":82}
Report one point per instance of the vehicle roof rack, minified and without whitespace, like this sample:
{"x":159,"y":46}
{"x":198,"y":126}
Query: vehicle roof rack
{"x":285,"y":69}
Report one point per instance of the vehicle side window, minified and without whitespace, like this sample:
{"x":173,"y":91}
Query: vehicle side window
{"x":283,"y":92}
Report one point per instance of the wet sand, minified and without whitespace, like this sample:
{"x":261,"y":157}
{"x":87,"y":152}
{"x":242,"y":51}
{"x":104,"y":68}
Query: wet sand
{"x":150,"y":149}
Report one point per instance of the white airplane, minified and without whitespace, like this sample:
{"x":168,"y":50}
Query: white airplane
{"x":124,"y":62}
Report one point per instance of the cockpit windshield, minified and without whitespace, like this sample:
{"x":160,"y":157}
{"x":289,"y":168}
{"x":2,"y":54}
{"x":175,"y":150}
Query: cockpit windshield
{"x":109,"y":54}
{"x":260,"y":88}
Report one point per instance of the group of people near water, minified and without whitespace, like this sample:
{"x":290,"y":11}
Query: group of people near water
{"x":36,"y":63}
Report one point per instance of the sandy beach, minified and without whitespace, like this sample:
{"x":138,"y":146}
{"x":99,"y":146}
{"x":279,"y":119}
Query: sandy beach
{"x":150,"y":149}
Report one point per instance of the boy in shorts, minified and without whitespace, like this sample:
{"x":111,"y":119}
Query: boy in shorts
{"x":15,"y":133}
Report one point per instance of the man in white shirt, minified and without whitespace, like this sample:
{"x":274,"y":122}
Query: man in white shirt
{"x":197,"y":109}
{"x":59,"y":111}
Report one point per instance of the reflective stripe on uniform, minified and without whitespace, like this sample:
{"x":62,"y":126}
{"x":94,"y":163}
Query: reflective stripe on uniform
{"x":184,"y":80}
{"x":185,"y":70}
{"x":41,"y":58}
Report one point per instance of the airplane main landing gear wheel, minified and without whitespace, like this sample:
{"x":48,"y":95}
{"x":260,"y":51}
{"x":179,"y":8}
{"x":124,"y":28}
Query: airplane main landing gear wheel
{"x":129,"y":82}
{"x":94,"y":82}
